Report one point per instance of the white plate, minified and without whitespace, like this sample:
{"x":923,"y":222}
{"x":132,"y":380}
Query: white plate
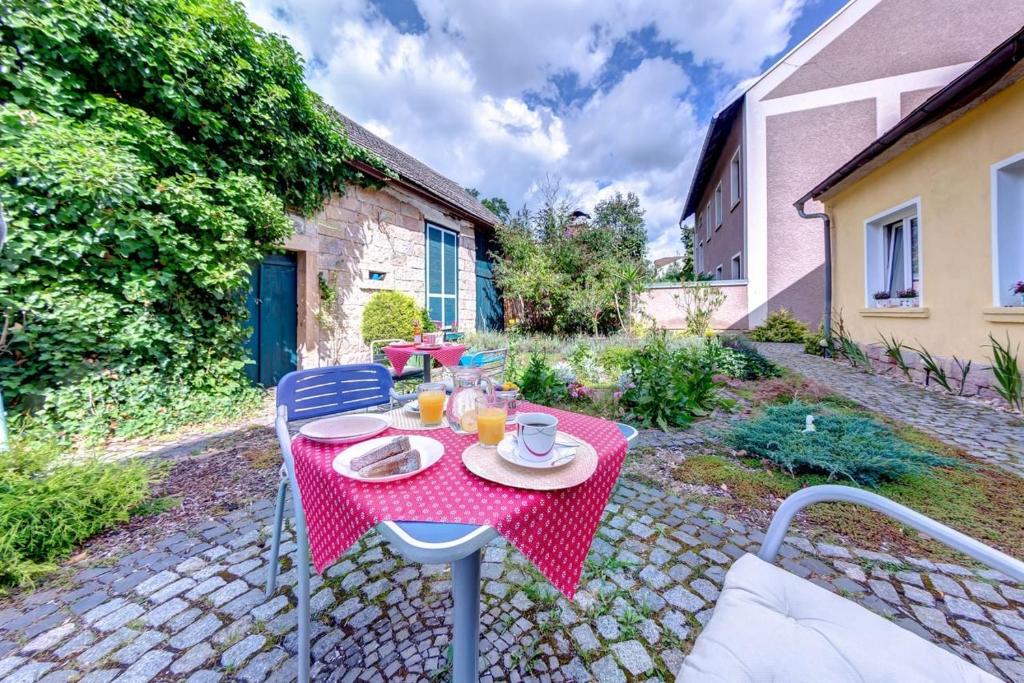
{"x":413,"y":407}
{"x":430,"y":450}
{"x":345,"y":428}
{"x":429,"y":347}
{"x":401,"y":345}
{"x":510,"y":453}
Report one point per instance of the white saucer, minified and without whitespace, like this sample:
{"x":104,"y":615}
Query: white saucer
{"x":431,"y":450}
{"x":509,"y":452}
{"x":345,"y":428}
{"x":413,"y":407}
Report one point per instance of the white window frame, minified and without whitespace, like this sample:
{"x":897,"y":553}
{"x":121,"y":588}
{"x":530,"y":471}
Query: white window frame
{"x":736,"y":260}
{"x":875,"y":269}
{"x":1010,"y":250}
{"x":708,"y":218}
{"x":719,"y":217}
{"x":735,"y":180}
{"x":719,"y":272}
{"x":699,"y":259}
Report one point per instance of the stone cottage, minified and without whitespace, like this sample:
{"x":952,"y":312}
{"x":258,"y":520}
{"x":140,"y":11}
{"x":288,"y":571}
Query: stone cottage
{"x":421,"y":234}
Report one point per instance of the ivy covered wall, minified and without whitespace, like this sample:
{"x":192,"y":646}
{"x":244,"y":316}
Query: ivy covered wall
{"x":148,"y":151}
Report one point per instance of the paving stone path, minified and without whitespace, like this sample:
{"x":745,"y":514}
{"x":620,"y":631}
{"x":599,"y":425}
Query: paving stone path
{"x":193,"y":609}
{"x":984,"y":432}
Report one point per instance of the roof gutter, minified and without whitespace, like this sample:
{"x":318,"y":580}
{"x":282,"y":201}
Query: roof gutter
{"x":827,"y":225}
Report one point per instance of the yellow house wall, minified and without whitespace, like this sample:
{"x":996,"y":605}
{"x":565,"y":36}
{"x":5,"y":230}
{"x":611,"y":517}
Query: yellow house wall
{"x":950,"y":172}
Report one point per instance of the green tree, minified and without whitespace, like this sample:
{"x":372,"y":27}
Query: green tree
{"x":686,"y":234}
{"x":565,"y":274}
{"x":624,"y":216}
{"x":496,"y":205}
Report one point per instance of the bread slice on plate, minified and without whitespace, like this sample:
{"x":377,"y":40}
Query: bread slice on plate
{"x":397,"y":445}
{"x":403,"y":463}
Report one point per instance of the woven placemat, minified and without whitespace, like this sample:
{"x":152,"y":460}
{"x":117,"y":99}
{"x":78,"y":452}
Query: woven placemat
{"x":487,"y":464}
{"x":403,"y":419}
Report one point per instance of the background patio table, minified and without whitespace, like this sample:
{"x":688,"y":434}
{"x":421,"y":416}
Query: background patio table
{"x":447,"y":355}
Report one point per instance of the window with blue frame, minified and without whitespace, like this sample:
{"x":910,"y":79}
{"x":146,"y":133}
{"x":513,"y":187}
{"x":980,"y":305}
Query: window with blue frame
{"x":442,"y":274}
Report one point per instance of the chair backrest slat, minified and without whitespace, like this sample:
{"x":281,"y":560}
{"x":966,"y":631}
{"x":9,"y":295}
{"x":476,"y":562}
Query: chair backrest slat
{"x":491,"y":363}
{"x":336,"y":389}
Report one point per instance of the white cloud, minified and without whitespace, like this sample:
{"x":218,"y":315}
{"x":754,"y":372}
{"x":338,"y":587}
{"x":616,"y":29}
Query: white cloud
{"x":461,"y":96}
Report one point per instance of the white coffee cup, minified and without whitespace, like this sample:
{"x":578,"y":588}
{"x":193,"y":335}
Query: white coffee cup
{"x":535,"y":434}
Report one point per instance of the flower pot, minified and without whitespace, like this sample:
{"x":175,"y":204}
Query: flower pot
{"x":883,"y":303}
{"x":908,"y":303}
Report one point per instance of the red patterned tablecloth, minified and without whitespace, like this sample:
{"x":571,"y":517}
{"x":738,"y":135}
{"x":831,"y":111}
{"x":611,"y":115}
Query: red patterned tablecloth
{"x":447,"y":355}
{"x":553,"y":529}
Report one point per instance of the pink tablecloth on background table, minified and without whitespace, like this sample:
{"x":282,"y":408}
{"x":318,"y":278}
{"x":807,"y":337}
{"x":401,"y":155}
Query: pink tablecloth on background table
{"x":447,"y":355}
{"x":554,"y":529}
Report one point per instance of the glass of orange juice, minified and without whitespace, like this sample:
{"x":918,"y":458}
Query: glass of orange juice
{"x":491,"y":414}
{"x":431,"y":399}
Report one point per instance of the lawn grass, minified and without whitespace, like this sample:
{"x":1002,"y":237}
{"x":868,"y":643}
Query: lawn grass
{"x":974,"y":497}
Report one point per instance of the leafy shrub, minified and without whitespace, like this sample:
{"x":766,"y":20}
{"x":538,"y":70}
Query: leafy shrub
{"x":583,"y":362}
{"x":615,"y":359}
{"x":699,"y":301}
{"x":668,"y":388}
{"x":846,"y":446}
{"x":148,"y":151}
{"x":755,"y":365}
{"x":539,"y":383}
{"x":815,"y":343}
{"x":780,"y":326}
{"x":48,"y":505}
{"x":391,"y":315}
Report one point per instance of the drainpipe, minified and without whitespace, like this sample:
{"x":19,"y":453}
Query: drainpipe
{"x":827,"y":224}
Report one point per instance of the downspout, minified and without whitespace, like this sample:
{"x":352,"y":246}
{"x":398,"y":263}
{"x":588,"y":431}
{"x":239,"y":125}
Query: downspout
{"x":827,"y":223}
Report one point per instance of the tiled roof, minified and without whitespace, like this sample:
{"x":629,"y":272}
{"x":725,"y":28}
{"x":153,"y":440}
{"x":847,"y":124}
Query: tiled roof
{"x":414,"y":171}
{"x":665,"y":260}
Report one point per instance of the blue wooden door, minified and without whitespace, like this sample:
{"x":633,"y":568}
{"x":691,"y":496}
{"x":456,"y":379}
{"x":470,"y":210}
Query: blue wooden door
{"x":273,"y":317}
{"x":490,"y":313}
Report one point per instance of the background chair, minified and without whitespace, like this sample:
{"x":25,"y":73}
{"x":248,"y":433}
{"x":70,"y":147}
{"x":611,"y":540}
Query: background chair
{"x":491,"y":363}
{"x":769,"y":624}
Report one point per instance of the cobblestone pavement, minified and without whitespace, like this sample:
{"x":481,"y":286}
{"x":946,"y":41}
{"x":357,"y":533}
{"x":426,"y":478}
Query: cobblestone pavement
{"x":984,"y":432}
{"x":192,"y":608}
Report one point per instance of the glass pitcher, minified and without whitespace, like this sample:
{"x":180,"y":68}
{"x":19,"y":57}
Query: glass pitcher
{"x":468,"y":384}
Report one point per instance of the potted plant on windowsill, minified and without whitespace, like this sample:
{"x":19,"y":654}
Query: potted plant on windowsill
{"x":1018,"y":290}
{"x":882,"y":299}
{"x":907,"y":297}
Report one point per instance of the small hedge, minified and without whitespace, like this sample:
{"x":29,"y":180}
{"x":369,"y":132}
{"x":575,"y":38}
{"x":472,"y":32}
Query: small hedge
{"x":48,"y":505}
{"x":780,"y":326}
{"x":843,"y":446}
{"x":390,"y":315}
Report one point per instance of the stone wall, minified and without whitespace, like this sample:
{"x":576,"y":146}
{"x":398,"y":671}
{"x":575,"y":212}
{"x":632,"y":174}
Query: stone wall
{"x":379,"y":231}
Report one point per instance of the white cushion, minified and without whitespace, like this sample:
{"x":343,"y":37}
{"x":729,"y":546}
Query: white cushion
{"x":770,"y":625}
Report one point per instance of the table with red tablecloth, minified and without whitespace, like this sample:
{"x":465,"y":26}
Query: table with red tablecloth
{"x":445,"y":354}
{"x":553,"y":529}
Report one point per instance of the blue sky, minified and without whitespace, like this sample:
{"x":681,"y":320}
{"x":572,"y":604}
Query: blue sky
{"x":605,"y":95}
